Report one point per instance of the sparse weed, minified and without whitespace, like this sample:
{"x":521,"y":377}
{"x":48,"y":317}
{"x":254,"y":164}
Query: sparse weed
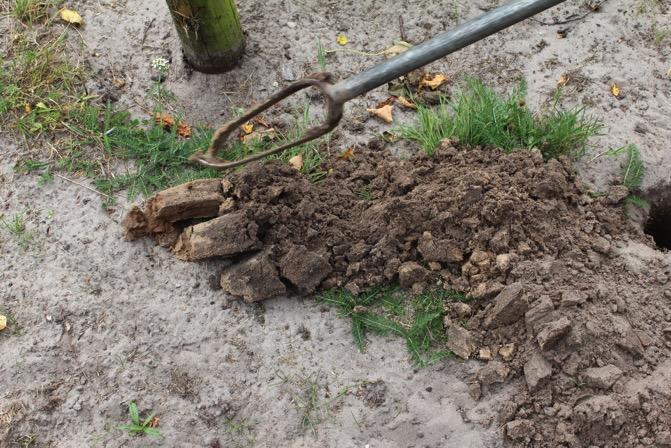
{"x":138,"y":427}
{"x":646,"y":6}
{"x":321,"y":55}
{"x":17,"y":228}
{"x":30,"y":11}
{"x":633,"y":169}
{"x":241,"y":433}
{"x":40,"y":88}
{"x":13,"y":326}
{"x":365,"y":193}
{"x":305,"y":395}
{"x":388,"y":311}
{"x":480,"y":116}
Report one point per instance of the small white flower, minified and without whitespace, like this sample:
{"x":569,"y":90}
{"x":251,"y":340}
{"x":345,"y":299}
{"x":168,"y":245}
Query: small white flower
{"x":160,"y":64}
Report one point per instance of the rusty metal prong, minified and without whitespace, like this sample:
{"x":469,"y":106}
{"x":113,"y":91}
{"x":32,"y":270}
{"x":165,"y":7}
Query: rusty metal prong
{"x":334,"y":114}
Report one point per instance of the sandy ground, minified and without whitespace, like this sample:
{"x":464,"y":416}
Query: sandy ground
{"x":103,"y":322}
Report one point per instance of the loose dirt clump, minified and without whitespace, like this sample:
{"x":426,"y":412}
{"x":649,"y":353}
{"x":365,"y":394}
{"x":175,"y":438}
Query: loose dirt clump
{"x":555,"y":304}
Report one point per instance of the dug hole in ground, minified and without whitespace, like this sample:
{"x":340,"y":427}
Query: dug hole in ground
{"x":207,"y":316}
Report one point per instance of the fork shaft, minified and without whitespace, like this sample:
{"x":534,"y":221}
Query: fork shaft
{"x":440,"y":46}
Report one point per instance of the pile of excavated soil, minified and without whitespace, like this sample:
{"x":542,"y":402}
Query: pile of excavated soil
{"x":556,"y":304}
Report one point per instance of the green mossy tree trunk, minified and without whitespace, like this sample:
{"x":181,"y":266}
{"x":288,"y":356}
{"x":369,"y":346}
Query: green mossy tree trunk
{"x":210,"y":32}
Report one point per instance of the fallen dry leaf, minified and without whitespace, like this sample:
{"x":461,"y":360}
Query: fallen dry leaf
{"x":433,"y":82}
{"x":262,"y":121}
{"x":406,"y":102}
{"x":563,"y":79}
{"x":168,"y":121}
{"x":268,"y":134}
{"x":183,"y":130}
{"x":154,"y":422}
{"x":70,"y":16}
{"x":164,"y":120}
{"x":389,"y":137}
{"x":296,"y":162}
{"x":347,"y":154}
{"x":342,"y":39}
{"x":615,"y":90}
{"x":247,"y":128}
{"x":3,"y":322}
{"x":383,"y":113}
{"x":396,"y":49}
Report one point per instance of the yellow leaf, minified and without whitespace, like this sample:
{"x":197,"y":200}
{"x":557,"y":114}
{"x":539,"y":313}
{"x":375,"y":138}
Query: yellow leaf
{"x":296,"y":162}
{"x":70,"y":16}
{"x":347,"y":154}
{"x":267,"y":134}
{"x":342,"y":39}
{"x":563,"y":79}
{"x":433,"y":82}
{"x":3,"y":322}
{"x":383,"y":113}
{"x":615,"y":90}
{"x":247,"y":128}
{"x":406,"y":102}
{"x":183,"y":130}
{"x":396,"y":49}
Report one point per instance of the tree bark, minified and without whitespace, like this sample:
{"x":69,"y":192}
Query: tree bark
{"x":210,"y":32}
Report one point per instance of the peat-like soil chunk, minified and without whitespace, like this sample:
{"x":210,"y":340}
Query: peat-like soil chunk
{"x":196,"y":199}
{"x":536,"y":370}
{"x":304,"y":269}
{"x":509,"y":306}
{"x":253,"y":279}
{"x":225,"y":236}
{"x":551,"y":333}
{"x":602,"y":377}
{"x":439,"y":250}
{"x":410,"y":273}
{"x":460,"y":341}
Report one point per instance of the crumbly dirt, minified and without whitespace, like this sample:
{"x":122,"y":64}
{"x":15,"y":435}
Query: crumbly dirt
{"x":100,"y":322}
{"x":518,"y":234}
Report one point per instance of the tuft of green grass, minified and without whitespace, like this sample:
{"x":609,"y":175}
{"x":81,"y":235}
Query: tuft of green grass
{"x":479,"y":116}
{"x":633,"y":169}
{"x":30,"y":11}
{"x":388,"y":311}
{"x":241,"y":433}
{"x":40,"y":88}
{"x":17,"y":228}
{"x":13,"y":327}
{"x":138,"y":427}
{"x":321,"y":55}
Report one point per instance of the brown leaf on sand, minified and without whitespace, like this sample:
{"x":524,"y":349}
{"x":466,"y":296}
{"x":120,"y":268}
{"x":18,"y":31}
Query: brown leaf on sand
{"x":406,"y":102}
{"x":433,"y":82}
{"x":347,"y":154}
{"x":615,"y":90}
{"x":268,"y":134}
{"x":563,"y":79}
{"x":296,"y":162}
{"x":383,"y":113}
{"x":183,"y":130}
{"x":168,"y":121}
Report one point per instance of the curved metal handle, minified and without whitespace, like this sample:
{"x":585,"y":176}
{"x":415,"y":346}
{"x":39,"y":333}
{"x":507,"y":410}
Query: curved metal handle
{"x":334,"y":113}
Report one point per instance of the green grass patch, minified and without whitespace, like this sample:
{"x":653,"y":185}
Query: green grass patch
{"x":138,"y":426}
{"x":388,"y":311}
{"x":40,"y":88}
{"x":478,"y":116}
{"x":18,"y":229}
{"x":29,"y":11}
{"x":633,"y":169}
